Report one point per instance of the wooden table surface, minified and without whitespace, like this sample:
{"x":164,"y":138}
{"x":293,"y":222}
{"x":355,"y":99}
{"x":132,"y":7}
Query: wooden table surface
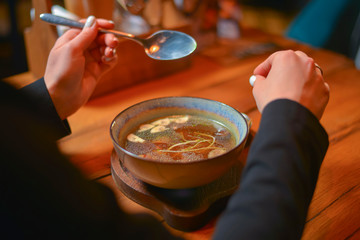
{"x":335,"y":209}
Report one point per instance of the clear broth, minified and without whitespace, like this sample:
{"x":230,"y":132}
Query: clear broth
{"x":180,"y":138}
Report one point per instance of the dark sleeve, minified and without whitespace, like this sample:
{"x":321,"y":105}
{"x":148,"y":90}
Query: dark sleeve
{"x":44,"y":196}
{"x":40,"y":99}
{"x":279,"y":178}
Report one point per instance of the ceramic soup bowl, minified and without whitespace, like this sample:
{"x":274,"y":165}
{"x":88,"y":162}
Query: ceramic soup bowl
{"x":178,"y":174}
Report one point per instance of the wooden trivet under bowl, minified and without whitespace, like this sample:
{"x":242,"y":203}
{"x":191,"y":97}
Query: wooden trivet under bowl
{"x":183,"y":209}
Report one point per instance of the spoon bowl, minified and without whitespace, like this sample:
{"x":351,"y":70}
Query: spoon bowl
{"x":167,"y":45}
{"x":161,"y":45}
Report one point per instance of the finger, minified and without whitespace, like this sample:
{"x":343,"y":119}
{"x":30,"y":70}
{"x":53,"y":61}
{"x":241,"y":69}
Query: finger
{"x":304,"y":57}
{"x":252,"y":80}
{"x":98,"y":53}
{"x":264,"y":68}
{"x":301,"y":54}
{"x":103,"y":51}
{"x":111,"y":40}
{"x":109,"y":52}
{"x":258,"y":91}
{"x":88,"y":34}
{"x":109,"y":56}
{"x":108,"y":39}
{"x":255,"y":79}
{"x":315,"y":66}
{"x":103,"y":23}
{"x":318,"y":69}
{"x":327,"y":87}
{"x":108,"y":63}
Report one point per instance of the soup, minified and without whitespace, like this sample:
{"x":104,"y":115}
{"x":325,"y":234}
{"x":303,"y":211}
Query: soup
{"x":180,"y":138}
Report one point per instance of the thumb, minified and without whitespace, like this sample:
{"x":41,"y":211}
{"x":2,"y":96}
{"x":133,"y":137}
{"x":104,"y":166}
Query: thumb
{"x":258,"y":90}
{"x":87,"y":35}
{"x":255,"y":79}
{"x":264,"y":68}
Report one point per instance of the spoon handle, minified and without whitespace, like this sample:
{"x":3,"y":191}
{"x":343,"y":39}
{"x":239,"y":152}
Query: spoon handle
{"x":57,"y":20}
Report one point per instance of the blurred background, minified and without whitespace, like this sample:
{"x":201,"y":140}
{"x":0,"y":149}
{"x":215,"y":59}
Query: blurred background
{"x":281,"y":17}
{"x":14,"y":19}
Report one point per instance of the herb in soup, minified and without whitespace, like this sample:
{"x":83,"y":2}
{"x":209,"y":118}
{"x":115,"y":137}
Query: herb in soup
{"x":180,"y":138}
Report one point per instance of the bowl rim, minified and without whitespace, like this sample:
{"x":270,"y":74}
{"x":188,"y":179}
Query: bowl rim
{"x":179,"y":162}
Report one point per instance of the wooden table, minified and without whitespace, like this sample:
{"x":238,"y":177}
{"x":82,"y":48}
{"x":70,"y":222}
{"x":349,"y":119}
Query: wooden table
{"x":335,"y":209}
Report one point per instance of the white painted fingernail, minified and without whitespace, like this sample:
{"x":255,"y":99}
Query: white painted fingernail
{"x":114,"y":51}
{"x":110,"y":21}
{"x":89,"y":21}
{"x":107,"y":59}
{"x":252,"y":80}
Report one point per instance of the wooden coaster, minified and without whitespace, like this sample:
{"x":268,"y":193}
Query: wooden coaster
{"x":183,"y":209}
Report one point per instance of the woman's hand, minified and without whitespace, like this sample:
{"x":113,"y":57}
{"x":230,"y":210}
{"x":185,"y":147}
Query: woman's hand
{"x":76,"y":63}
{"x":291,"y":75}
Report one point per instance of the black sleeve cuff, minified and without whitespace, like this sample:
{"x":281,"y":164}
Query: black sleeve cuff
{"x":40,"y":98}
{"x":288,"y":124}
{"x":301,"y":119}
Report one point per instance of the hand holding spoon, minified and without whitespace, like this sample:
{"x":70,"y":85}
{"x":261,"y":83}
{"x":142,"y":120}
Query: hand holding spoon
{"x":161,"y":45}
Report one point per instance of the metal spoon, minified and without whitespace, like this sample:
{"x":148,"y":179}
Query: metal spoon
{"x":161,"y":45}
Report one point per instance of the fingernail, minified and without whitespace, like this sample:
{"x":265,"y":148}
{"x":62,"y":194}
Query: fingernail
{"x":252,"y":80}
{"x":107,"y":59}
{"x":89,"y":21}
{"x":110,"y":21}
{"x":109,"y":52}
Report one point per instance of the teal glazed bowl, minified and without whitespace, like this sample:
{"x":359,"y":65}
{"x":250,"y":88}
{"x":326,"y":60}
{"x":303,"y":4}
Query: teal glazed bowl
{"x":177,"y":174}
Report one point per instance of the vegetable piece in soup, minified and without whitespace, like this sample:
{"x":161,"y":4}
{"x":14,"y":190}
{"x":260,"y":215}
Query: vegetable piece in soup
{"x":180,"y":138}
